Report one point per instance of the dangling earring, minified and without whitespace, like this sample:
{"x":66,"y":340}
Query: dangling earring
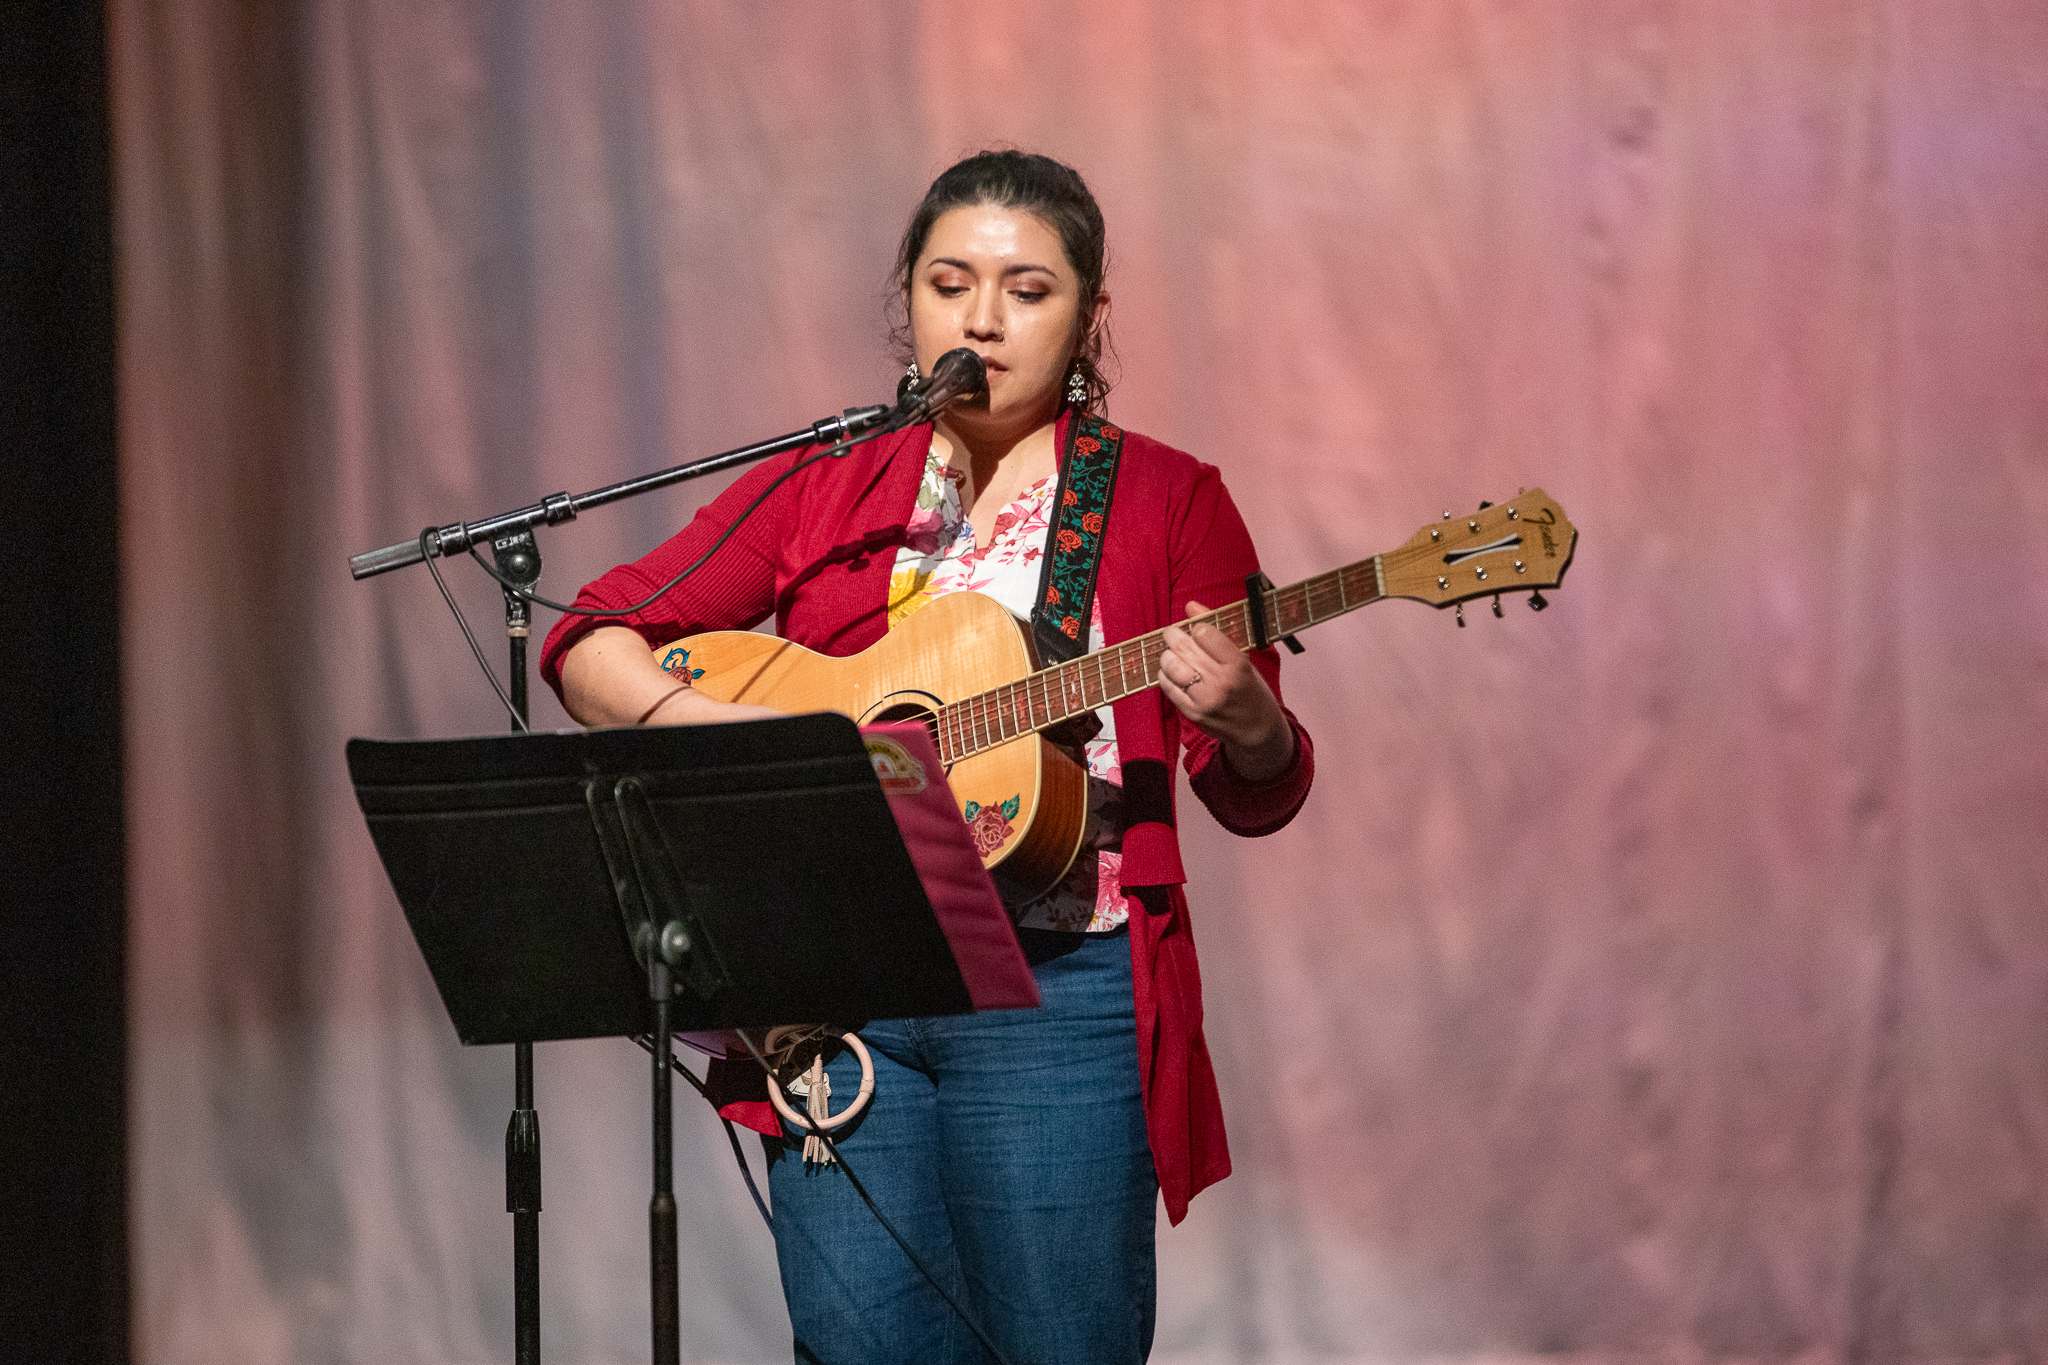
{"x":1077,"y":387}
{"x":910,"y":376}
{"x":911,"y":373}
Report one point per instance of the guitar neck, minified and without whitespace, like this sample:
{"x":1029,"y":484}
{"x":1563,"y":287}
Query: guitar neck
{"x":1050,"y":696}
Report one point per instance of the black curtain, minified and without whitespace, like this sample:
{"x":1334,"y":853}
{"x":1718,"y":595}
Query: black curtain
{"x":63,"y":1245}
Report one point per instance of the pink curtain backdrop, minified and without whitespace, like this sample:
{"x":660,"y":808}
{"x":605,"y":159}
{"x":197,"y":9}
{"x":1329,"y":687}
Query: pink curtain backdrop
{"x":1662,"y":976}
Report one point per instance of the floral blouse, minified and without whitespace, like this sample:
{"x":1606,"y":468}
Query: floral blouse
{"x":939,"y":556}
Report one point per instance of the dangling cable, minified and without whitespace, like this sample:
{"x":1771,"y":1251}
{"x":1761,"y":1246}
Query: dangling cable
{"x":470,"y":635}
{"x":880,"y":1217}
{"x":746,"y":1172}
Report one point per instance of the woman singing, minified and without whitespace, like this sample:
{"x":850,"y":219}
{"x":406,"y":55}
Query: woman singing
{"x":1017,"y":1151}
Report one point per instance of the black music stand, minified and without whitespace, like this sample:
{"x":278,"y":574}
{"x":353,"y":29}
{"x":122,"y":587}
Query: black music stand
{"x":634,"y":881}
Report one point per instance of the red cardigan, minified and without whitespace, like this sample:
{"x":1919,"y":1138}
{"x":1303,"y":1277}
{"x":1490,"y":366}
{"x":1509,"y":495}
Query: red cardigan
{"x":818,"y":554}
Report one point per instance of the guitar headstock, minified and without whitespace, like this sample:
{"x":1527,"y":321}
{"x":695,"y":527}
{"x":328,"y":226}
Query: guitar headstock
{"x":1520,"y":545}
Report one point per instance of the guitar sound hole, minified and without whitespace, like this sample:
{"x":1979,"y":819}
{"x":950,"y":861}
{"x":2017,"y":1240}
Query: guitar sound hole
{"x":904,"y":713}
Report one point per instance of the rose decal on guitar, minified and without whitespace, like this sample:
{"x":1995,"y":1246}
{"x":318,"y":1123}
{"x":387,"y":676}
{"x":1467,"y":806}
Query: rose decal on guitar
{"x":991,"y":824}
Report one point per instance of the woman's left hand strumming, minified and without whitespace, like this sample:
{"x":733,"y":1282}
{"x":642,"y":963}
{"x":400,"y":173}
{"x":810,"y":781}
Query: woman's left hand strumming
{"x":1214,"y":685}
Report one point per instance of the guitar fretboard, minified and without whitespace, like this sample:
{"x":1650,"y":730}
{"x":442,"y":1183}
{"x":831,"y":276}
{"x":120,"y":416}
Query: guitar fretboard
{"x":1044,"y":699}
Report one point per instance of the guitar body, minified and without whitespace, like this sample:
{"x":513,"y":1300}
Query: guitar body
{"x":1026,"y":799}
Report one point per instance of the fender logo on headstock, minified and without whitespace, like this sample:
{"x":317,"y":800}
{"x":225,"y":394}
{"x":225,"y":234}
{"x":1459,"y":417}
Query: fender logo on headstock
{"x":1483,"y":554}
{"x":1543,"y":520}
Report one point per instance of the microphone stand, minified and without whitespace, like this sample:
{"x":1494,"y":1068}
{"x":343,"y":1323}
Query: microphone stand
{"x":517,"y":555}
{"x":560,"y":507}
{"x":518,"y":558}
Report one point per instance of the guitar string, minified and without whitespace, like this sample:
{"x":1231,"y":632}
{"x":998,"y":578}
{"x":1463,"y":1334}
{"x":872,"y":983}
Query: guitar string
{"x":1069,"y":703}
{"x":1293,"y":608}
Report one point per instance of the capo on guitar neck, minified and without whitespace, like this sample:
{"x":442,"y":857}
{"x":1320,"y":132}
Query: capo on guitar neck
{"x":1256,"y":586}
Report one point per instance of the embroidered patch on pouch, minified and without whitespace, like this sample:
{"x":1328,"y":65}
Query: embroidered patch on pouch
{"x":900,"y":773}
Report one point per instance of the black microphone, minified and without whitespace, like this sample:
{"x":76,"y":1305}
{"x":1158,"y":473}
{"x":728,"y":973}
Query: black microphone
{"x":958,"y":374}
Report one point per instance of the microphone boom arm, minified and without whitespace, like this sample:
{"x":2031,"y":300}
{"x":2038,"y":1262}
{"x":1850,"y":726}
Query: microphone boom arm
{"x":561,"y":507}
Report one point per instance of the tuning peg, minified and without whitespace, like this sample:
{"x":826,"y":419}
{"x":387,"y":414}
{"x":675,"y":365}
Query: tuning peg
{"x":1461,"y":616}
{"x":1496,"y":606}
{"x":1537,"y":601}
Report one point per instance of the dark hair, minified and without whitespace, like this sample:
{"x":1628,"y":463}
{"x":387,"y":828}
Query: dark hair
{"x":1047,"y":190}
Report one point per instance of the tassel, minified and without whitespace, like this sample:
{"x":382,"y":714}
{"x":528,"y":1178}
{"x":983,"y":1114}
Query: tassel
{"x":818,"y":1104}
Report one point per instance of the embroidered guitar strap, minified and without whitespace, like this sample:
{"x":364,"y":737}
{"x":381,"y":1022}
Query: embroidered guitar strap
{"x":1073,"y":539}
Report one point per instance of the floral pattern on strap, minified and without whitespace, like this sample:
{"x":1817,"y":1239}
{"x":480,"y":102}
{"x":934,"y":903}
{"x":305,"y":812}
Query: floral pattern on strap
{"x":1090,"y":471}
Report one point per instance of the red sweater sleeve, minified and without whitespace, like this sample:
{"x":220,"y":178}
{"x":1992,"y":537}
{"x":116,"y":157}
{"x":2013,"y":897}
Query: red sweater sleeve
{"x":1212,"y":552}
{"x":1249,"y":808}
{"x":732,"y":591}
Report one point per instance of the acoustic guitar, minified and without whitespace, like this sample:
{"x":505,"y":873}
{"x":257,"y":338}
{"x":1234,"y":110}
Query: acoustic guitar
{"x":969,"y":670}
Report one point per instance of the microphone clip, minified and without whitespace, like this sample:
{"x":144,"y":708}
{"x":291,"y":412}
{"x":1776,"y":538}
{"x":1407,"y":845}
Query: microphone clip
{"x":958,"y":374}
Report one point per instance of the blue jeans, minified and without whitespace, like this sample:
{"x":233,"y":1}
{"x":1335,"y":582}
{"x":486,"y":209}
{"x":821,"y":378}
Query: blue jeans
{"x":1009,"y":1149}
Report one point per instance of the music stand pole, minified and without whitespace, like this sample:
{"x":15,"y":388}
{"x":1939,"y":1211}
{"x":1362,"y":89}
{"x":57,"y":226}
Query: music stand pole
{"x":660,"y":903}
{"x":518,"y":559}
{"x":662,"y":1263}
